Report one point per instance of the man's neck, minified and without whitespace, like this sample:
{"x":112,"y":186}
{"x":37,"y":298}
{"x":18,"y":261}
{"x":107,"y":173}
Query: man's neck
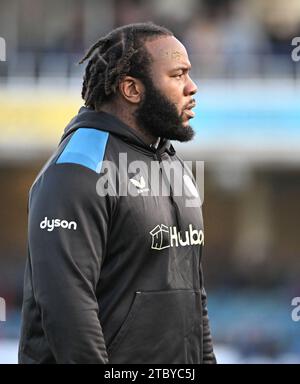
{"x":128,"y":118}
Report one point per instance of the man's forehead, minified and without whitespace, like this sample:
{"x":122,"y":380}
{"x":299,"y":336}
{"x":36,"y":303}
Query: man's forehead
{"x":168,"y":51}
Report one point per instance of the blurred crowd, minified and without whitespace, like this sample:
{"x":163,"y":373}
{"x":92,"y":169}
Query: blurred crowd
{"x":224,"y":37}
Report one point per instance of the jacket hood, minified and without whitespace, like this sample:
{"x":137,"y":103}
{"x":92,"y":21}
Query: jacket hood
{"x":88,"y":118}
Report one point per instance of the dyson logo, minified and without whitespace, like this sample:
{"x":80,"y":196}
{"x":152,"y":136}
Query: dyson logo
{"x":55,"y":223}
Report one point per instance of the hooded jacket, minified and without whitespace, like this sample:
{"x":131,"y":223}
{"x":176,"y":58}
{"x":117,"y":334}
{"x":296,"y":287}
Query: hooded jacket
{"x":114,"y":272}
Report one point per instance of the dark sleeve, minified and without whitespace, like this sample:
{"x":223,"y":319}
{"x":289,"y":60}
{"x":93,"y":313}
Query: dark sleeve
{"x":208,"y":350}
{"x":68,"y":225}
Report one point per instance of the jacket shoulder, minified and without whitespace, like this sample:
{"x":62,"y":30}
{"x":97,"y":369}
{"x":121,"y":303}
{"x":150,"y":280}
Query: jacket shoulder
{"x":86,"y":147}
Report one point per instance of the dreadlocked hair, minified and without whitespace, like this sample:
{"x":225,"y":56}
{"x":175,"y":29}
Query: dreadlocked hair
{"x":114,"y":56}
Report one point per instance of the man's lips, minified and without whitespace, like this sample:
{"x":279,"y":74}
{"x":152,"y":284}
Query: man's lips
{"x":188,"y":110}
{"x":189,"y":113}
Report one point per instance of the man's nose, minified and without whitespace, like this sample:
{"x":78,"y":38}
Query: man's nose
{"x":191,"y":87}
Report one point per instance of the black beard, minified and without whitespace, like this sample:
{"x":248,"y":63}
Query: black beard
{"x":158,"y":116}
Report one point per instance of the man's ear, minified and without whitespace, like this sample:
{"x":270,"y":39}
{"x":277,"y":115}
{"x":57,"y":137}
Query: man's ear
{"x":131,"y":89}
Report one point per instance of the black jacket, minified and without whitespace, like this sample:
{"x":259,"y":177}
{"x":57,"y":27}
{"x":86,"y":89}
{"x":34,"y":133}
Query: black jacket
{"x":113,"y":278}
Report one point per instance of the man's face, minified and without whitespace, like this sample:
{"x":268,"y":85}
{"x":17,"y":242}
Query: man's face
{"x":165,"y":110}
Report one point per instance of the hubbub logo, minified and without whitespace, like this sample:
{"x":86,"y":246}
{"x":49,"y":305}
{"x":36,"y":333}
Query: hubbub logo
{"x":165,"y":237}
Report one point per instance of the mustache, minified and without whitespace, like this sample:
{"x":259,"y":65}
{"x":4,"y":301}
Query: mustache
{"x":191,"y":104}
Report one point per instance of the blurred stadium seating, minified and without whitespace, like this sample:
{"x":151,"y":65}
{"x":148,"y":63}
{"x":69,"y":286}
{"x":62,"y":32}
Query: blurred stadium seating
{"x":248,"y":133}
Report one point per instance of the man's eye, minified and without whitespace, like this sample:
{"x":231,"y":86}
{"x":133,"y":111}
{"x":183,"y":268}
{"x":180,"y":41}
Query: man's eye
{"x":179,"y":76}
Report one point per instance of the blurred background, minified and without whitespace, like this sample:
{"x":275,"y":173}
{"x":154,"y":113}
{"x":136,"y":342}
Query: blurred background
{"x":248,"y":134}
